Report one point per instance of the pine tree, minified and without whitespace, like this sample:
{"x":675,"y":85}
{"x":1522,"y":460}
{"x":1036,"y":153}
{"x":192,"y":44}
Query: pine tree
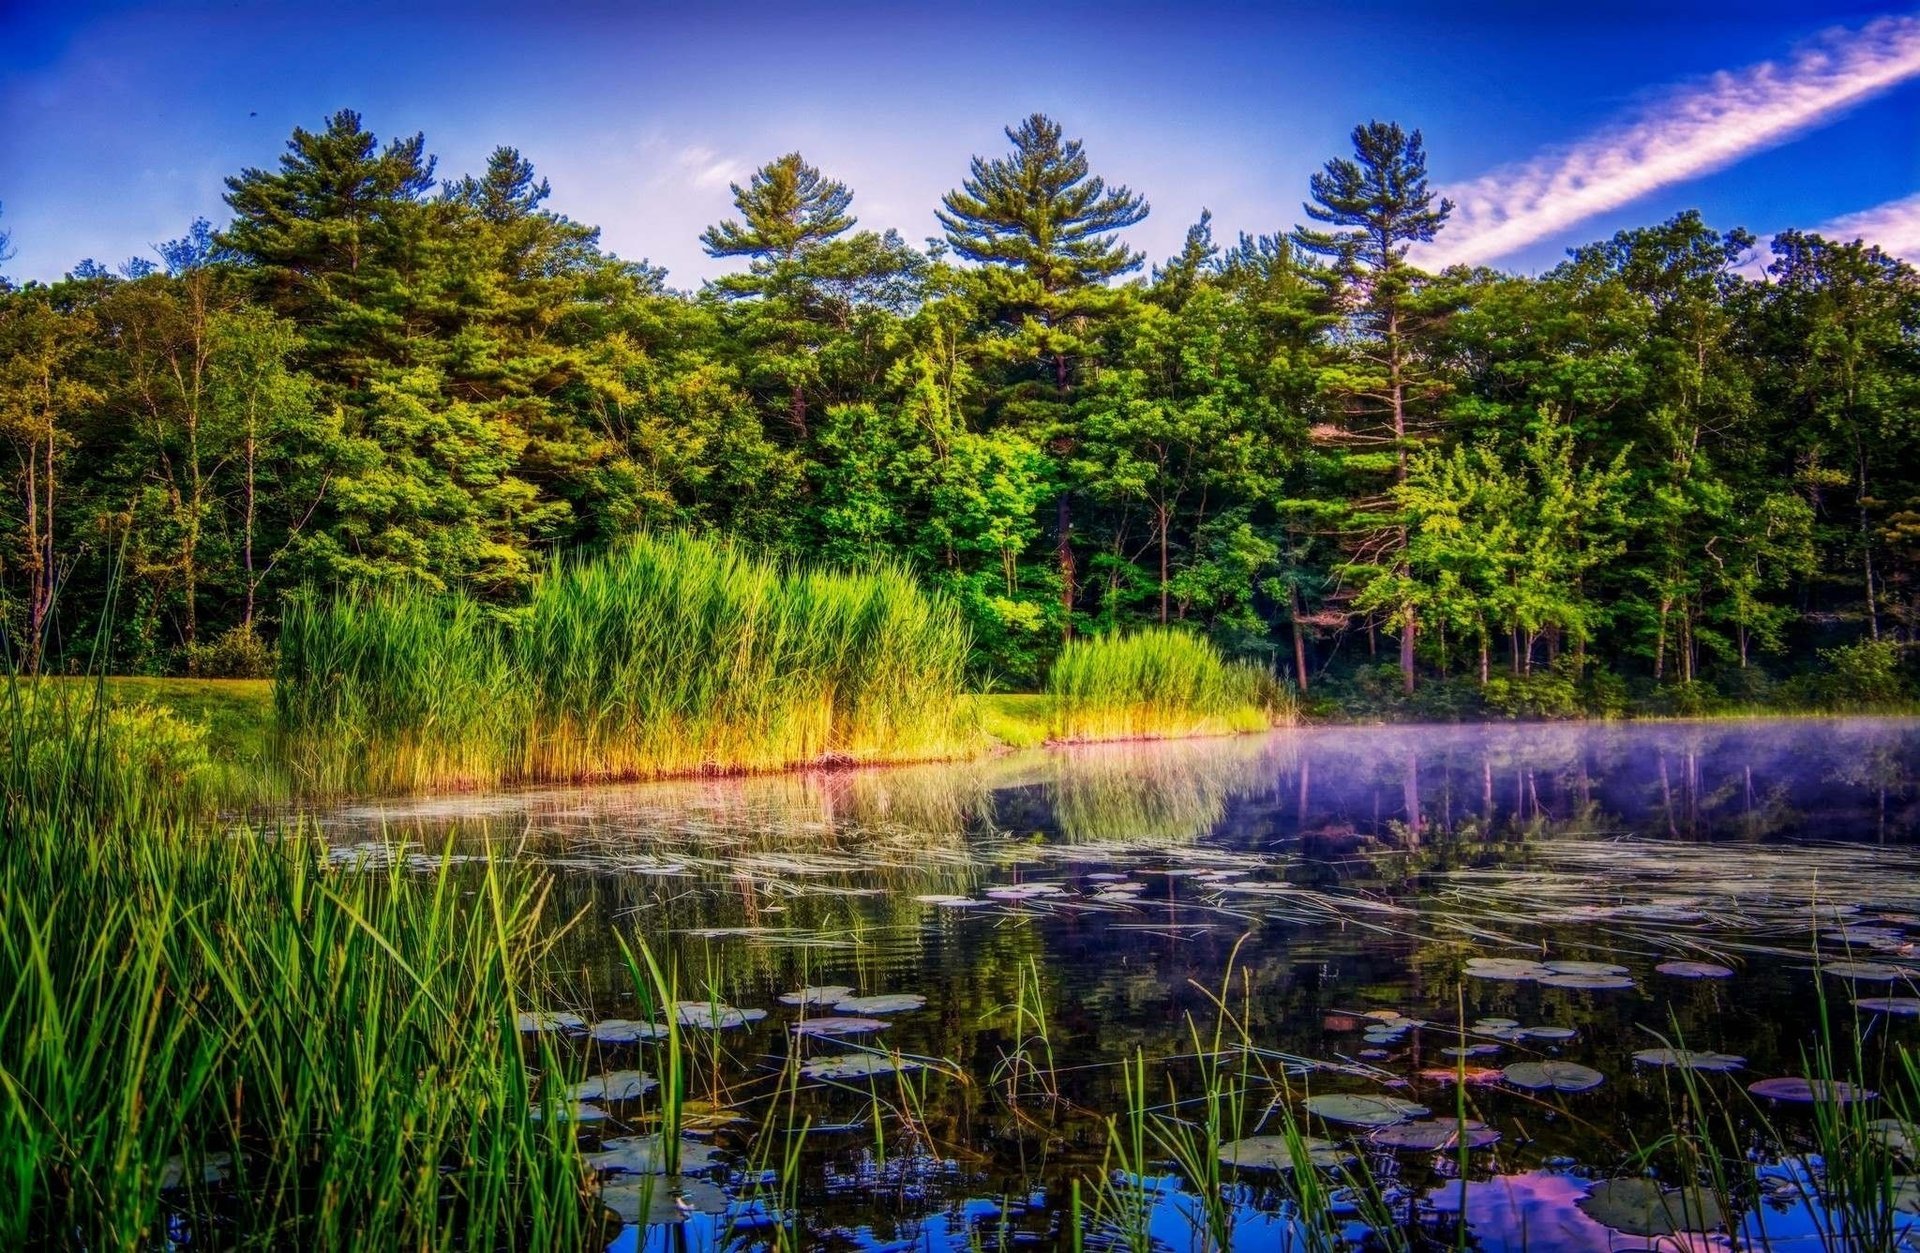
{"x":1042,"y":224}
{"x":1379,"y":205}
{"x":787,"y":207}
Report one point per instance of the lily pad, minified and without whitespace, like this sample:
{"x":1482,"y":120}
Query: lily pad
{"x":1908,"y":1006}
{"x":1513,"y":969}
{"x":1896,"y":1134}
{"x":542,"y":1020}
{"x":627,"y":1031}
{"x":1495,"y":1024}
{"x":1870,"y":972}
{"x":644,"y":1155}
{"x":887,"y":1003}
{"x":1433,"y":1134}
{"x":660,"y":1201}
{"x":571,"y":1111}
{"x":1584,"y":968}
{"x":1470,"y":1074}
{"x":1359,"y":1110}
{"x":1559,"y":1076}
{"x":1641,"y":1207}
{"x":816,"y":996}
{"x":1810,"y":1090}
{"x":1471,"y":1050}
{"x":1585,"y":982}
{"x":710,"y":1017}
{"x":1549,"y":1034}
{"x":838,"y":1026}
{"x":857,"y":1066}
{"x":615,"y":1085}
{"x":1690,"y":1059}
{"x":1274,"y":1153}
{"x":1694,"y":970}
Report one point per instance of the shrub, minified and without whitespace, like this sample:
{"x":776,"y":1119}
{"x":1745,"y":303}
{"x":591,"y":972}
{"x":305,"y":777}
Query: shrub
{"x":238,"y":654}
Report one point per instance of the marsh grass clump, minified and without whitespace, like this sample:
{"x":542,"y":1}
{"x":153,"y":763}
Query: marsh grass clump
{"x":211,"y":1037}
{"x":674,"y":654}
{"x":1156,"y":683}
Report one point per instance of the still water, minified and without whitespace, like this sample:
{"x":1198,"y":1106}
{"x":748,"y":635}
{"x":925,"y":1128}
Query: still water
{"x":1337,"y":912}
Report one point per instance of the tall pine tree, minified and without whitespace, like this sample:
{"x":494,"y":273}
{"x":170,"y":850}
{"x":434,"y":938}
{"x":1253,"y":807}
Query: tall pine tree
{"x":1042,"y":225}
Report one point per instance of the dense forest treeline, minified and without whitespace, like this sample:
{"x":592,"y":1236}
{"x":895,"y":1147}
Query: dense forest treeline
{"x":1641,"y":475}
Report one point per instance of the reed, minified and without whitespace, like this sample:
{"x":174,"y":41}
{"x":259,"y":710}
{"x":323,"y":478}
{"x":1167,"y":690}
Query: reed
{"x":672,"y":655}
{"x":335,"y":1046}
{"x":1159,"y":683}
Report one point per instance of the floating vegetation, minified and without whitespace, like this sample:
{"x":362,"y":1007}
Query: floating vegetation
{"x":541,"y":1020}
{"x":857,"y":1066}
{"x":1831,"y":1091}
{"x":626,"y":1031}
{"x":817,"y":996}
{"x":1905,"y":1006}
{"x":1641,"y":1207}
{"x":886,"y":1003}
{"x":1689,"y":1059}
{"x":1359,"y":1110}
{"x":615,"y":1085}
{"x":1435,"y":1134}
{"x":1558,"y":1075}
{"x":1694,"y":970}
{"x":647,"y":1155}
{"x":1284,"y":1153}
{"x":1869,"y":972}
{"x":711,"y":1016}
{"x":838,"y":1026}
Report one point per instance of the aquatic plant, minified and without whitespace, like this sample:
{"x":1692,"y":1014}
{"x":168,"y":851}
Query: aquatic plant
{"x":1159,"y":682}
{"x":673,"y":654}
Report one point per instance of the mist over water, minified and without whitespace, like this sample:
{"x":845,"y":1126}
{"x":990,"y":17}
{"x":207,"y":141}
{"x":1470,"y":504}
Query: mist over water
{"x":1320,"y":876}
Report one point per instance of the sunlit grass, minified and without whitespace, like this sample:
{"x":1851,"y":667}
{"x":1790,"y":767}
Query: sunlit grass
{"x":1158,"y":683}
{"x":673,"y":655}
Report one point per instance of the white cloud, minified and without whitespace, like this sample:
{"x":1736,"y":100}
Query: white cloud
{"x":1690,"y":132}
{"x":703,"y":167}
{"x":1895,"y":226}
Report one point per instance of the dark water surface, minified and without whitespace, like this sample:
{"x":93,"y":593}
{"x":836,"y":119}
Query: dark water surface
{"x":1306,"y":879}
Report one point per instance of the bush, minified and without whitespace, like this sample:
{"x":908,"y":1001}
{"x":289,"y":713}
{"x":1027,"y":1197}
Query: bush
{"x":1868,"y":674}
{"x":238,"y":654}
{"x":75,"y":754}
{"x":1549,"y":694}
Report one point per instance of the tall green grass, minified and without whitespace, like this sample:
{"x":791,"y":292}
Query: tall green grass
{"x":1158,"y":683}
{"x":674,"y":654}
{"x":216,"y":1038}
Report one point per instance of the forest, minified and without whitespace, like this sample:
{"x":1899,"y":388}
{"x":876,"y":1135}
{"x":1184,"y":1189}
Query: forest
{"x":1679,"y":469}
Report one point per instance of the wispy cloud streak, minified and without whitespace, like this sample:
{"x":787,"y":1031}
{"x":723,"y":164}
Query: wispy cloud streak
{"x":1895,"y":226}
{"x":1690,"y":132}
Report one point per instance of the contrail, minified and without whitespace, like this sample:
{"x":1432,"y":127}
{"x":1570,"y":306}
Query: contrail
{"x":1692,"y":131}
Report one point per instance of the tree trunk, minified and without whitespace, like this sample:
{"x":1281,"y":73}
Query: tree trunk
{"x":1407,"y":628}
{"x":1299,"y":642}
{"x":1064,"y":554}
{"x":1163,"y":519}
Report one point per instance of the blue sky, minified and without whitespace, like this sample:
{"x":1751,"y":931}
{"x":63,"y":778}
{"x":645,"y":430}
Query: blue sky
{"x":118,"y":121}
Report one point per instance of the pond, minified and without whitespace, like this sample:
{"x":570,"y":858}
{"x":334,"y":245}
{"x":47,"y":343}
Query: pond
{"x":1024,"y":1000}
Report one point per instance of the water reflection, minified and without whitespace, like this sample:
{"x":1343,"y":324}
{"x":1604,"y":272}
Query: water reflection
{"x":1336,"y":873}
